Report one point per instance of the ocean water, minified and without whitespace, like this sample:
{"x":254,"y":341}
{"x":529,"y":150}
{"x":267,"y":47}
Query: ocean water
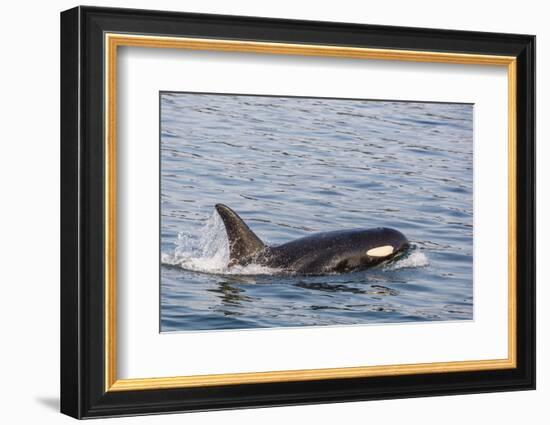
{"x":291,"y":167}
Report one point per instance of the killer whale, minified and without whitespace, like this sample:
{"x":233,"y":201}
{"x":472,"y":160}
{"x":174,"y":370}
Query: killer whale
{"x":321,"y":253}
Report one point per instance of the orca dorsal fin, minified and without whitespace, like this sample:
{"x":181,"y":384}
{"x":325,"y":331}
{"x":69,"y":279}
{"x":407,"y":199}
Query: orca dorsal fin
{"x":243,"y":243}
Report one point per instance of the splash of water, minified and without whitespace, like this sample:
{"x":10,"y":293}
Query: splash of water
{"x":209,"y":252}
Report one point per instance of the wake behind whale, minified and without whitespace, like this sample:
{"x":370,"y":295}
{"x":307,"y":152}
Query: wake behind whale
{"x":226,"y":245}
{"x":208,"y":252}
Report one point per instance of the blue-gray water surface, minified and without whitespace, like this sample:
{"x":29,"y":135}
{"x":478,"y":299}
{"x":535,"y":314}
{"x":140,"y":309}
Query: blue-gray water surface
{"x":291,"y":167}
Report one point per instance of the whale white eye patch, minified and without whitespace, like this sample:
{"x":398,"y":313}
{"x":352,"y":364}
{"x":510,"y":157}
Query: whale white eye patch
{"x":380,"y":251}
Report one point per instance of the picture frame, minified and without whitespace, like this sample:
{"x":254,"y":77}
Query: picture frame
{"x":91,"y":38}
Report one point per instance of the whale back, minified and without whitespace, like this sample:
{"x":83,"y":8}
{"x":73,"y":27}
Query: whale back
{"x":244,"y":245}
{"x":338,"y":251}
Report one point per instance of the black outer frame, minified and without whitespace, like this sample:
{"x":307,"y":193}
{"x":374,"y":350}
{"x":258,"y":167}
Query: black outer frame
{"x":82,"y":206}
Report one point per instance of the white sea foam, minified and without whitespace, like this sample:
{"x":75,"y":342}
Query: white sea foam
{"x":414,"y":260}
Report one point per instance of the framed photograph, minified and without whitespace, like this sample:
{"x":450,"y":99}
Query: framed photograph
{"x":261,"y":212}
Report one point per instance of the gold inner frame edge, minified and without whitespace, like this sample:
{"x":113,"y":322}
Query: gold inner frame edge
{"x":113,"y":41}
